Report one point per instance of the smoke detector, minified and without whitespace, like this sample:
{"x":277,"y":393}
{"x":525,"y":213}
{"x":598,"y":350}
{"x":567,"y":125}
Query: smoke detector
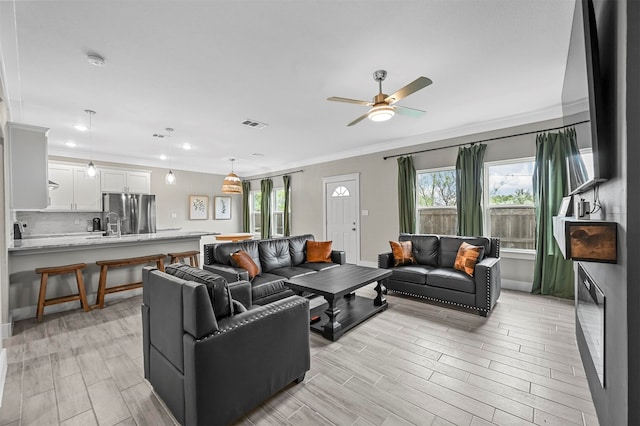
{"x":95,"y":59}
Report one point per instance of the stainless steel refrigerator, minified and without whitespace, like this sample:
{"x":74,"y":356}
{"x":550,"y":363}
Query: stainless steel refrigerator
{"x":136,"y":212}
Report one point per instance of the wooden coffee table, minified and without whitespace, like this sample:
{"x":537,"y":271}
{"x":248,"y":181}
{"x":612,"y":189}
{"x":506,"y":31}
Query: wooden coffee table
{"x":337,"y":286}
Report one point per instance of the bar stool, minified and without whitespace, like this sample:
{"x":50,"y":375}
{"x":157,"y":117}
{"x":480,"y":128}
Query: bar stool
{"x":104,"y":265}
{"x":57,"y":270}
{"x":192,"y":255}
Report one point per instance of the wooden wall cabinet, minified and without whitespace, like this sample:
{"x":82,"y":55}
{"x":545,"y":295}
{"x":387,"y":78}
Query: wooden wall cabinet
{"x":586,"y":240}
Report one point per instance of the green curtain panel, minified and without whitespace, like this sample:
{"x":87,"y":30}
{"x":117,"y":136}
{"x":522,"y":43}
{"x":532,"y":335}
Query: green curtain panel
{"x":287,"y":193}
{"x":246,"y":212}
{"x":553,"y":275}
{"x":469,"y":167}
{"x":407,"y":194}
{"x":266,"y":185}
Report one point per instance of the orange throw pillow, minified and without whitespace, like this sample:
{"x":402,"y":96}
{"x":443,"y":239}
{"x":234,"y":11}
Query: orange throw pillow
{"x":244,"y":261}
{"x":402,"y":252}
{"x":467,"y":258}
{"x":319,"y":251}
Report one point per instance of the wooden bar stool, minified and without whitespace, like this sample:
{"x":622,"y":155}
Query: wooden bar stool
{"x":118,"y":263}
{"x":192,"y":255}
{"x":57,"y":270}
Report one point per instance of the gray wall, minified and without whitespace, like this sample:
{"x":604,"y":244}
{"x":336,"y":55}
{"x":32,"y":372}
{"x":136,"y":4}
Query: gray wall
{"x":617,"y":402}
{"x":378,"y":188}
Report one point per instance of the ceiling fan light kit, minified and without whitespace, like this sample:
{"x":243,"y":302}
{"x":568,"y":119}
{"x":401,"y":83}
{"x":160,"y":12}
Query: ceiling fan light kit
{"x":383,"y":106}
{"x":381,"y":113}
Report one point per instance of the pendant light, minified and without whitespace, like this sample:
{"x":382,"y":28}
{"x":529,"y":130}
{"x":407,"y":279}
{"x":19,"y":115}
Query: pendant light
{"x":231,"y":183}
{"x":170,"y":177}
{"x":92,"y":172}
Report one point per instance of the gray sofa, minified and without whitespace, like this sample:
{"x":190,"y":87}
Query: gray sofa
{"x":210,"y":359}
{"x":277,"y":260}
{"x":434,"y":278}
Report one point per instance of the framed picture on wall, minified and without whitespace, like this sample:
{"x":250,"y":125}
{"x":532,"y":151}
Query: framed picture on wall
{"x":221,"y":208}
{"x":198,"y":207}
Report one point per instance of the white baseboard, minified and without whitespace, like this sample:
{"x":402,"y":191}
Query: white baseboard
{"x":30,"y":311}
{"x":368,"y":263}
{"x":516,"y":285}
{"x":6,"y":330}
{"x":3,"y":372}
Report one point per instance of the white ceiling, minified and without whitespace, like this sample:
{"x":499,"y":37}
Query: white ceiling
{"x":204,"y":67}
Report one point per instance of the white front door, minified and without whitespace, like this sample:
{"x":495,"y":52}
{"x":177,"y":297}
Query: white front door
{"x":341,"y":214}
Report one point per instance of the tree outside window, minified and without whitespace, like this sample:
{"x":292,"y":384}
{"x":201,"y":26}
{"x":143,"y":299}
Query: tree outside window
{"x":436,"y":192}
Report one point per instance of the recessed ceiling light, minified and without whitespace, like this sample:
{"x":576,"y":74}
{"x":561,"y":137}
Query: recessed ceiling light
{"x":186,"y":146}
{"x":80,"y":127}
{"x":163,"y":157}
{"x":70,"y":144}
{"x":95,"y":59}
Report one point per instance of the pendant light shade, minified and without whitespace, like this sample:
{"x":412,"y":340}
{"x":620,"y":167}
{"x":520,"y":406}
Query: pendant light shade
{"x":232,"y":183}
{"x":170,"y":178}
{"x":92,"y":172}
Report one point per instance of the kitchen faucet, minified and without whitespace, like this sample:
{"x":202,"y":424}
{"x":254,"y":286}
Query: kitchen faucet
{"x":110,"y":225}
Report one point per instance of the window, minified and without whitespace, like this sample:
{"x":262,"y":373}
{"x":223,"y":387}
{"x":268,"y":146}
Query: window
{"x":277,"y":212}
{"x":255,"y":209}
{"x":508,"y":200}
{"x":340,"y":191}
{"x":436,"y":204}
{"x":509,"y":197}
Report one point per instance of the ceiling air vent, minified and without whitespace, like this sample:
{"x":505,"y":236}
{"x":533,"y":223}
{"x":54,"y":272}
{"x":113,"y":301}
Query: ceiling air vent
{"x":255,"y":124}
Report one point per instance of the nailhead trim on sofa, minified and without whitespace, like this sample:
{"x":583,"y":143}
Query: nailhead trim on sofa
{"x":270,"y":311}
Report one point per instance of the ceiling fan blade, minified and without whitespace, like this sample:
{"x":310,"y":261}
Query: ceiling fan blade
{"x":414,"y":86}
{"x":349,"y":101}
{"x":359,"y":119}
{"x":410,"y":112}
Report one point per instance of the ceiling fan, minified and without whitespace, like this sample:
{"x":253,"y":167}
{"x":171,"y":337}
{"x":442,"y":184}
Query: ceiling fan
{"x":383,"y":106}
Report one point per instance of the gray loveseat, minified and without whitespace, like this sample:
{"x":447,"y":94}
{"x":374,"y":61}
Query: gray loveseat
{"x":277,"y":259}
{"x":434,"y":278}
{"x":211,"y":360}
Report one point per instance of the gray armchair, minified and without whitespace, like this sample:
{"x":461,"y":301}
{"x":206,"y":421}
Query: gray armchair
{"x":211,"y":371}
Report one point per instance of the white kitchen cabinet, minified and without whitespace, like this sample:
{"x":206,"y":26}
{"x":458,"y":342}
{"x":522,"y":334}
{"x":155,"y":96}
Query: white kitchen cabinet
{"x":75,"y":191}
{"x":27,"y":152}
{"x":135,"y":182}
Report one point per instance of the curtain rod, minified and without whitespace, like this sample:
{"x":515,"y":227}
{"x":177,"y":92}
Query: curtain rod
{"x":486,"y":140}
{"x":272,"y":176}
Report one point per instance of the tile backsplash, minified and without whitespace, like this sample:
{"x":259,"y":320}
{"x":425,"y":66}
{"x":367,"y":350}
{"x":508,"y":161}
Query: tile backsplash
{"x":48,"y":223}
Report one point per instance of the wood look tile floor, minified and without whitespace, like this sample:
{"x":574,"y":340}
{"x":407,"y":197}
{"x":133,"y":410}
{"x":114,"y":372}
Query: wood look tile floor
{"x":416,"y":363}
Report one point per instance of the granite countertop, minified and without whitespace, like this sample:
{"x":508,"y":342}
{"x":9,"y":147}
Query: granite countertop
{"x":95,"y":241}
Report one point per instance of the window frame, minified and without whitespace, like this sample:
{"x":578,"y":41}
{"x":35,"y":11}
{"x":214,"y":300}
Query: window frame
{"x":486,"y":202}
{"x":418,"y":208}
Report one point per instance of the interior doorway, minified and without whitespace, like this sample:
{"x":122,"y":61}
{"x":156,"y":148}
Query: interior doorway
{"x":341,"y":218}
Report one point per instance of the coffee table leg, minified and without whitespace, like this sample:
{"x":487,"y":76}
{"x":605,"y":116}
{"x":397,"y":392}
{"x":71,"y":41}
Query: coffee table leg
{"x":380,"y":300}
{"x":332,"y":330}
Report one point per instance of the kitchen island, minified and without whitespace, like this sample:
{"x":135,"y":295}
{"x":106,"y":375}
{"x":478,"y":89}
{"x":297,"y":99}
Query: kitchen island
{"x":28,"y":254}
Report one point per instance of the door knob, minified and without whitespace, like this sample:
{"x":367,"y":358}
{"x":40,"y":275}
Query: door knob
{"x":353,"y":229}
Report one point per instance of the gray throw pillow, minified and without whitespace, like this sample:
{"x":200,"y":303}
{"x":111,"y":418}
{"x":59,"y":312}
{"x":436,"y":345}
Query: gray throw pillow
{"x":217,"y":286}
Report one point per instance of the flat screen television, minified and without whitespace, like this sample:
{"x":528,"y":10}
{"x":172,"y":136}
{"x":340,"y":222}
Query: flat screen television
{"x":582,"y":95}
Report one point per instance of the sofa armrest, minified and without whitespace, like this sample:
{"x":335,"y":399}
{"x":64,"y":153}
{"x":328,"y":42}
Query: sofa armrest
{"x":385,"y":260}
{"x":229,"y":273}
{"x":339,"y":257}
{"x":241,"y":292}
{"x":487,"y":277}
{"x":225,"y":363}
